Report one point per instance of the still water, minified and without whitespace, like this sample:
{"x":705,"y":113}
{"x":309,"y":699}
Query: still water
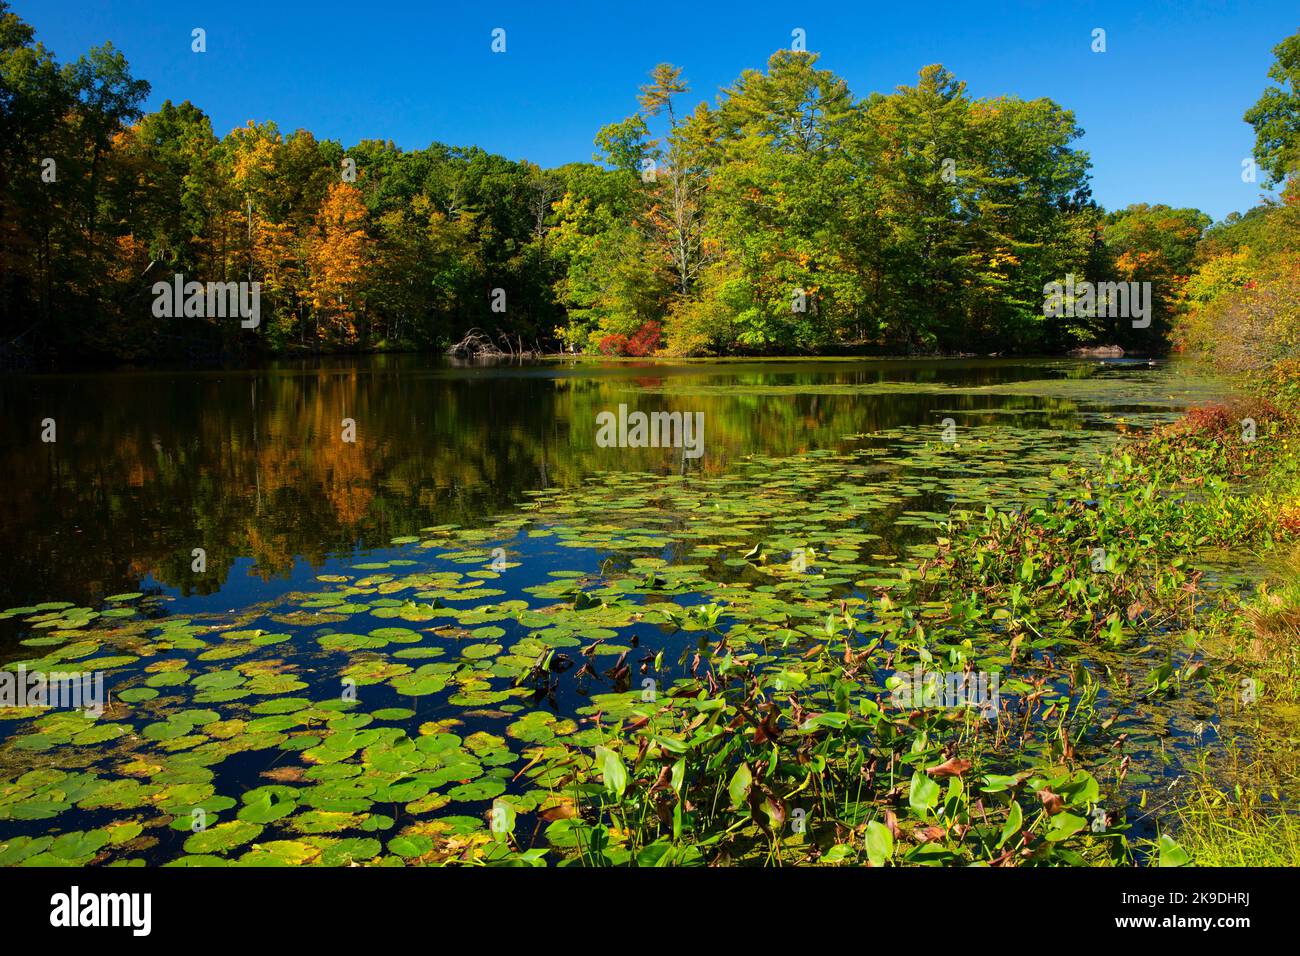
{"x":399,"y":527}
{"x":251,"y":466}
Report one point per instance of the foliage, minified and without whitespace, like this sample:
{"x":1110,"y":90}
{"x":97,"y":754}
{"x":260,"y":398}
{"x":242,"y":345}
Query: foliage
{"x":1154,"y":244}
{"x":789,"y":216}
{"x":731,"y":706}
{"x":1276,"y":115}
{"x":1245,"y":291}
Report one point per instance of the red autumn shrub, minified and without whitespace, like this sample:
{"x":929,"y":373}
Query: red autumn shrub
{"x":1230,"y":439}
{"x":1222,"y":422}
{"x":1209,"y":420}
{"x":613,"y":345}
{"x":646,"y":340}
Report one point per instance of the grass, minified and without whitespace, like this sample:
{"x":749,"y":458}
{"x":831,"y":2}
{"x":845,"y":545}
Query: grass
{"x":1238,"y":828}
{"x":1237,"y":813}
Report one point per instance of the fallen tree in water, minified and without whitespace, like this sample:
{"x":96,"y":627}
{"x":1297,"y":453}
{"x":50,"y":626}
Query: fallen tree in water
{"x":478,"y":344}
{"x":475,"y":344}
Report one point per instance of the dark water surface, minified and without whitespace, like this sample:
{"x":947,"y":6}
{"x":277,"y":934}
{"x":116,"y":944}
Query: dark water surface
{"x":251,"y":465}
{"x":375,"y":562}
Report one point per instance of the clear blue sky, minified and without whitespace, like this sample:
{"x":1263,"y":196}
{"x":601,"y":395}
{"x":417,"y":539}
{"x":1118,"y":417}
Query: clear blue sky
{"x":1161,"y":109}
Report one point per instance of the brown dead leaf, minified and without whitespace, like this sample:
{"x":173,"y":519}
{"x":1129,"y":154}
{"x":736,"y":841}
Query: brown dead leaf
{"x":952,"y":767}
{"x":285,"y":774}
{"x":926,"y":834}
{"x":1052,"y":802}
{"x":561,"y":809}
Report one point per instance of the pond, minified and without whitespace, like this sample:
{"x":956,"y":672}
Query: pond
{"x":350,"y":605}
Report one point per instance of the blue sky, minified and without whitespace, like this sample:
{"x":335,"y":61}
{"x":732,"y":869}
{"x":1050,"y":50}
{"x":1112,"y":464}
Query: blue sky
{"x":1161,"y":108}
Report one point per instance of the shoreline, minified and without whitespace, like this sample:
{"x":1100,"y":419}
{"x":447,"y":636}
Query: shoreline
{"x":441,"y":359}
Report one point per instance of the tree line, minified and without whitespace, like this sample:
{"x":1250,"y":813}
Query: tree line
{"x":1242,"y":298}
{"x":787,"y":217}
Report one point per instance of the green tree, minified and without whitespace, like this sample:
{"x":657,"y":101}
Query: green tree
{"x":1276,"y":115}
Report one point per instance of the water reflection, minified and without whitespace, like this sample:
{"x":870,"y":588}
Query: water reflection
{"x":252,"y":467}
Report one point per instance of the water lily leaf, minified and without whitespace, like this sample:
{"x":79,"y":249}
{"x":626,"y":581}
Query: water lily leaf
{"x":326,"y":821}
{"x":484,"y":789}
{"x":396,"y":635}
{"x":123,"y":831}
{"x":266,"y":808}
{"x":342,"y":852}
{"x":410,"y":845}
{"x":135,"y":695}
{"x":418,"y":685}
{"x":99,"y":734}
{"x":281,"y":853}
{"x":393,"y":713}
{"x":223,"y":836}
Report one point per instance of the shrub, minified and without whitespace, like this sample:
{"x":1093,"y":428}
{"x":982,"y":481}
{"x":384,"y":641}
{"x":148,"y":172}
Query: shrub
{"x":700,"y":326}
{"x":613,"y":345}
{"x":646,"y":340}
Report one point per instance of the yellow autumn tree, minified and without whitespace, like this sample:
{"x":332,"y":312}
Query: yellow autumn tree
{"x":336,"y":258}
{"x":278,"y":253}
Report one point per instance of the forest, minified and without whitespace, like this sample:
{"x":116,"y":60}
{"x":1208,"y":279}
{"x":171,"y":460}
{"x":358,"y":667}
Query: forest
{"x":789,"y":217}
{"x":381,"y":610}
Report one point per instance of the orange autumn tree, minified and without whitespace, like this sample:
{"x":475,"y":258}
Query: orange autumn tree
{"x":337,"y":257}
